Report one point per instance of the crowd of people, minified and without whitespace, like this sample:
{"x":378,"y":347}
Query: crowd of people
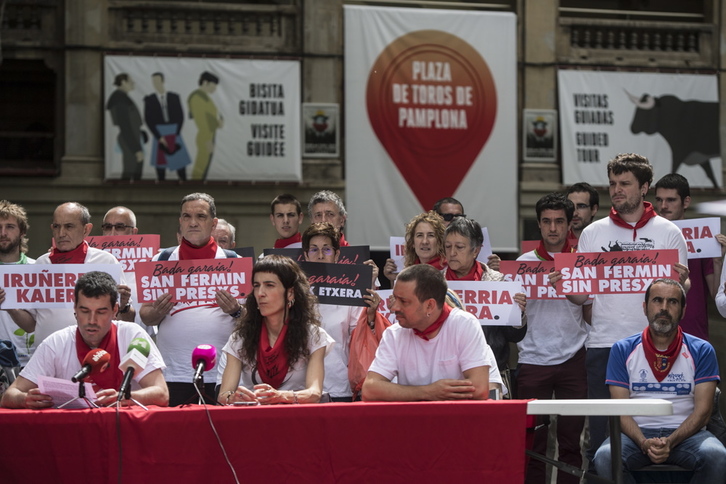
{"x":280,"y":346}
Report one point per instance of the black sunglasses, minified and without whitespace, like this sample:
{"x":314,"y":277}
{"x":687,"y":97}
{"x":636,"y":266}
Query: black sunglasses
{"x":451,"y":216}
{"x":116,"y":226}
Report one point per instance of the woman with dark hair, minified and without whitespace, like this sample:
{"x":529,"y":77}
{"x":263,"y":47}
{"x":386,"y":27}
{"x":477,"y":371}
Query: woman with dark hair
{"x":424,"y":244}
{"x":276,"y":352}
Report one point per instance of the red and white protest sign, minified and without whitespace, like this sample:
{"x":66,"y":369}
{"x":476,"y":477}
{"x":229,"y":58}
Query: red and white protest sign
{"x":614,"y":272}
{"x":46,"y":286}
{"x":193,"y":280}
{"x":384,"y":307}
{"x":398,"y":251}
{"x":533,"y":276}
{"x":128,"y":249}
{"x":700,"y":235}
{"x":491,"y":302}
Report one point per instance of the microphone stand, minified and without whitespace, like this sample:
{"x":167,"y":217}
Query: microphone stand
{"x":202,"y":395}
{"x":126,"y":395}
{"x":81,"y":395}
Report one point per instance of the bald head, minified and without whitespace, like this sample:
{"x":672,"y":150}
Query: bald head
{"x":119,"y":221}
{"x":71,"y":224}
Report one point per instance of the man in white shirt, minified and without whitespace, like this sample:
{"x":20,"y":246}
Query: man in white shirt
{"x":62,"y":354}
{"x":435,"y":352}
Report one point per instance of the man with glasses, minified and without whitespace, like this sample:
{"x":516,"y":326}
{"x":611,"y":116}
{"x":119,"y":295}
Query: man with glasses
{"x":119,"y":221}
{"x":586,"y":201}
{"x":449,"y":209}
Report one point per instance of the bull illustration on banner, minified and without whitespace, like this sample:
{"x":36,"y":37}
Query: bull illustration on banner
{"x":691,"y":128}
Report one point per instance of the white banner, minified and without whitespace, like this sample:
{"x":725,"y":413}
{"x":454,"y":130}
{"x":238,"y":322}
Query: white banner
{"x":672,"y":119}
{"x":202,"y":119}
{"x":700,"y":235}
{"x":38,"y":286}
{"x":430,"y":113}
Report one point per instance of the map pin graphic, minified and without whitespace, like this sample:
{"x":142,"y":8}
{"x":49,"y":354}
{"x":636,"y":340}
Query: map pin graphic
{"x":432,"y":103}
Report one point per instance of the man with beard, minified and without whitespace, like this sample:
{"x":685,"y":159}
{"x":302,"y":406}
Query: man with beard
{"x":587,"y":202}
{"x":13,"y":246}
{"x":664,"y":362}
{"x":631,"y":225}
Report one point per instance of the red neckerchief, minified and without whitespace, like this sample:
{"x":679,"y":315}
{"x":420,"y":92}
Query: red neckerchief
{"x":282,"y":243}
{"x":75,"y":256}
{"x":436,"y":324}
{"x":473,"y":275}
{"x":648,"y":214}
{"x":272,"y":362}
{"x":343,"y":242}
{"x":187,"y":251}
{"x":111,"y":378}
{"x":436,"y":262}
{"x":662,"y":361}
{"x":543,"y":254}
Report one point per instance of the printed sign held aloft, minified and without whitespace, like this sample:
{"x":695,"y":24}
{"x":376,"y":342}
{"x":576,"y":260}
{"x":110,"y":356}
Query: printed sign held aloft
{"x":700,"y":235}
{"x":128,"y":249}
{"x":46,"y":286}
{"x":533,"y":276}
{"x":614,"y":272}
{"x":342,"y":284}
{"x":193,"y":280}
{"x":492,"y":302}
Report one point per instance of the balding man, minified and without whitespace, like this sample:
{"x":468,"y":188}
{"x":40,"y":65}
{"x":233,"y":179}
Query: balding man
{"x":71,"y":224}
{"x":119,"y":221}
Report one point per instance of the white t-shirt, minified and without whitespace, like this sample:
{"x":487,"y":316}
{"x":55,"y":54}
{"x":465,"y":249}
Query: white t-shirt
{"x":48,"y":321}
{"x":556,"y":329}
{"x":56,"y":357}
{"x":24,"y":342}
{"x":296,"y":376}
{"x":459,"y":346}
{"x":617,"y":316}
{"x":339,"y":322}
{"x":185,"y":327}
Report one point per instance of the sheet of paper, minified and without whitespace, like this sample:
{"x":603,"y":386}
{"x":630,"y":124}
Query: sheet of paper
{"x":64,"y":390}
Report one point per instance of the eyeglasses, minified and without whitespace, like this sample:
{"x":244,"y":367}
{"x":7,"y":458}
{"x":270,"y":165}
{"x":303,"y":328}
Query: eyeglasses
{"x":451,"y":216}
{"x":118,"y":227}
{"x":327,"y":251}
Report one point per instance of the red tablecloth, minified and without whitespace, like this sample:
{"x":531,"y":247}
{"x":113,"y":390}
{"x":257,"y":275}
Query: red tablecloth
{"x":442,"y":442}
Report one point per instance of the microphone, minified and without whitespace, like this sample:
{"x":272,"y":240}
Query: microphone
{"x":204,"y":358}
{"x":95,"y":362}
{"x":135,"y":360}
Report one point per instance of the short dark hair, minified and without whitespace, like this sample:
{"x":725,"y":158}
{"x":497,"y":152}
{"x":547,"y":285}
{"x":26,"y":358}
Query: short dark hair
{"x":285,"y":199}
{"x":96,"y":284}
{"x":676,"y":181}
{"x":209,"y":77}
{"x":670,"y":282}
{"x":555,"y":201}
{"x":324,"y":229}
{"x":160,"y":74}
{"x":468,"y":228}
{"x":205,"y":198}
{"x":430,"y":283}
{"x":634,"y":163}
{"x":437,"y":205}
{"x":583,"y":187}
{"x":120,"y":78}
